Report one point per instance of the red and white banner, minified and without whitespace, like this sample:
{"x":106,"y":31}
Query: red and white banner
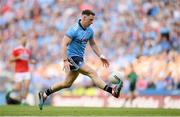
{"x":109,"y":101}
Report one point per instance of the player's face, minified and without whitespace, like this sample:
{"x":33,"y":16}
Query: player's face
{"x":88,"y":20}
{"x":23,"y":41}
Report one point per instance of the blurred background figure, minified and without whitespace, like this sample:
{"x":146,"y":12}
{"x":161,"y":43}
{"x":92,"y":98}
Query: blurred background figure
{"x":145,"y":31}
{"x":20,"y":59}
{"x":132,"y":78}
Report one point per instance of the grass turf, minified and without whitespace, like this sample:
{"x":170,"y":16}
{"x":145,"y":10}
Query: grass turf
{"x":84,"y":111}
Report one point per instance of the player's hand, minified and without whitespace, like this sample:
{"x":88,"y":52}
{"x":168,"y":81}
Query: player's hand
{"x":104,"y":61}
{"x":66,"y":67}
{"x":23,"y":57}
{"x":33,"y":61}
{"x":17,"y":58}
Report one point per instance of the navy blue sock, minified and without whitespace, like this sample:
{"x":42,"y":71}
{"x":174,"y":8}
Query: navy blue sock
{"x":108,"y":89}
{"x":49,"y":91}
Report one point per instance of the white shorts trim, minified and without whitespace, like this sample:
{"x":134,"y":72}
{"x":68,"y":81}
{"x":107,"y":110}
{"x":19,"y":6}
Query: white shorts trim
{"x":19,"y":77}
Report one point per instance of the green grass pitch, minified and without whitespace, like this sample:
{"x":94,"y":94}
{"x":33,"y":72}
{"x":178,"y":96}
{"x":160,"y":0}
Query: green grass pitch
{"x":84,"y":111}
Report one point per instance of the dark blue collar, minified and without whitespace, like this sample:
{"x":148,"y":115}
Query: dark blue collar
{"x":79,"y":22}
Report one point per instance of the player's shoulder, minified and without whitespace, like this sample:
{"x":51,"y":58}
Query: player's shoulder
{"x":74,"y":27}
{"x":90,"y":30}
{"x":17,"y":48}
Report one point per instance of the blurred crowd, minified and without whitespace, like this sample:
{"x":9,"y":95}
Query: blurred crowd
{"x":142,"y":33}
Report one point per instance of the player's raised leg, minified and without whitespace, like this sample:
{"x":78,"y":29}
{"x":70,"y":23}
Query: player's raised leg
{"x":17,"y":86}
{"x":86,"y":70}
{"x":71,"y":76}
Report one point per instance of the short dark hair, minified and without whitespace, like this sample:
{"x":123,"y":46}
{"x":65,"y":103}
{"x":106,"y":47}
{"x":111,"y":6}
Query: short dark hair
{"x":88,"y":12}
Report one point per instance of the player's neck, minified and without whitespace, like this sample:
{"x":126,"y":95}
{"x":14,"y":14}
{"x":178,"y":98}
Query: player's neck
{"x":23,"y":46}
{"x":82,"y":24}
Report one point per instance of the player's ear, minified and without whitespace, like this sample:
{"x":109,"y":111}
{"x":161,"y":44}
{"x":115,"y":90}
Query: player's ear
{"x":84,"y":17}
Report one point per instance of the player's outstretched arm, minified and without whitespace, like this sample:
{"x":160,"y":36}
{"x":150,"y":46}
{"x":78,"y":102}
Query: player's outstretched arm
{"x":66,"y":41}
{"x":98,"y":53}
{"x":33,"y":61}
{"x":13,"y":58}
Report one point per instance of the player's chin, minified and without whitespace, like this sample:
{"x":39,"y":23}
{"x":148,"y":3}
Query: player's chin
{"x":90,"y":24}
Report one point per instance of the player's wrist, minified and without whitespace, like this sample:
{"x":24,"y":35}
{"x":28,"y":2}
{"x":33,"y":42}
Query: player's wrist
{"x":65,"y":60}
{"x":102,"y":56}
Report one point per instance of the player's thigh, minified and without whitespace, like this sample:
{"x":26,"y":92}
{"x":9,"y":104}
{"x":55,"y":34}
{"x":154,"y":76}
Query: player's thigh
{"x":71,"y":76}
{"x":26,"y":84}
{"x":27,"y":76}
{"x":87,"y":70}
{"x":18,"y":77}
{"x":17,"y":86}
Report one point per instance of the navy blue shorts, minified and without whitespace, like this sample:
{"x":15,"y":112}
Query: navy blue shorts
{"x":76,"y":61}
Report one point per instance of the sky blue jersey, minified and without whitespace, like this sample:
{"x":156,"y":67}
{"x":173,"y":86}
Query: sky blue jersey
{"x":80,"y":37}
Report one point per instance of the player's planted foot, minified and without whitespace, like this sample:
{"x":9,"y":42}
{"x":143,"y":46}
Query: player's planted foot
{"x":117,"y":89}
{"x":42,"y":99}
{"x":24,"y":102}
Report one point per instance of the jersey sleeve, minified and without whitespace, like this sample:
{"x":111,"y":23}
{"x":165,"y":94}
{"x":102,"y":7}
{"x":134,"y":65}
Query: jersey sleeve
{"x":92,"y":35}
{"x":70,"y":33}
{"x":14,"y":53}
